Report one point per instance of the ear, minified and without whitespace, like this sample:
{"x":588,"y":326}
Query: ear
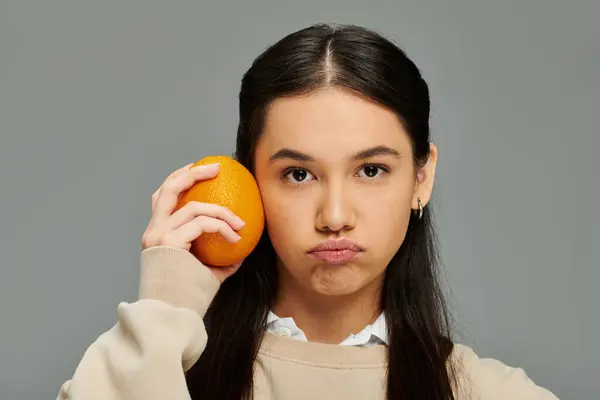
{"x":425,"y":177}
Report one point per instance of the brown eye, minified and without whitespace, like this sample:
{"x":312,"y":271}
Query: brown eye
{"x":297,"y":175}
{"x":372,"y":171}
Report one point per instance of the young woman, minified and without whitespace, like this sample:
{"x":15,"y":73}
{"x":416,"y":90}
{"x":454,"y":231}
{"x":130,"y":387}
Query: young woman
{"x":340,"y":300}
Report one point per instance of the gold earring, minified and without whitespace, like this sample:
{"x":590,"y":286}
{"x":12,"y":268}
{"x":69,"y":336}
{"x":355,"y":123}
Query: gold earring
{"x":420,"y":211}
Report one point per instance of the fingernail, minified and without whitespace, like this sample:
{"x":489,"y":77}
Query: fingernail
{"x":206,"y":166}
{"x":238,"y":238}
{"x":240,"y":222}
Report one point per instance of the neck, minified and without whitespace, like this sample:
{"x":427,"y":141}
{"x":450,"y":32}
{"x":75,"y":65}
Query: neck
{"x":323,"y":318}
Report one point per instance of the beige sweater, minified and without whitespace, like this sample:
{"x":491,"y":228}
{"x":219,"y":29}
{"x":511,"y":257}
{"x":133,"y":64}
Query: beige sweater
{"x":160,"y":336}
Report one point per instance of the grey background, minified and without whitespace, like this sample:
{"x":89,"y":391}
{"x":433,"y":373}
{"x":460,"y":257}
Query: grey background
{"x":100,"y":100}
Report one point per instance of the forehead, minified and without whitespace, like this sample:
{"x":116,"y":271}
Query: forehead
{"x":331,"y":122}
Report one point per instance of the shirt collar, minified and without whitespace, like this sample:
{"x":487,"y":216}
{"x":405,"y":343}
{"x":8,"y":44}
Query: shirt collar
{"x":375,"y":332}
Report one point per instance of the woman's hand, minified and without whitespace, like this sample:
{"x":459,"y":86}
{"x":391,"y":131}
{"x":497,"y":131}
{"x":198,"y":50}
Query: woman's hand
{"x":180,"y":228}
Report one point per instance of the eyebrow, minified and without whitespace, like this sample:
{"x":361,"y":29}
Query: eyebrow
{"x":375,"y":151}
{"x":290,"y":154}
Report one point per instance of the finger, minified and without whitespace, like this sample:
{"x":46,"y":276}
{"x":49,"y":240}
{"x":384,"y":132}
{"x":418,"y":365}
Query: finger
{"x":171,"y":175}
{"x":203,"y":224}
{"x":179,"y":171}
{"x":194,"y":209}
{"x":223,"y":273}
{"x":172,"y":189}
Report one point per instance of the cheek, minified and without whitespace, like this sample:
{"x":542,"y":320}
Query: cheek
{"x":397,"y":225}
{"x":287,"y":219}
{"x":385,"y":221}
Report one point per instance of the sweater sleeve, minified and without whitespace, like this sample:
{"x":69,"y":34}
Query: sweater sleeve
{"x":155,"y":340}
{"x":489,"y":379}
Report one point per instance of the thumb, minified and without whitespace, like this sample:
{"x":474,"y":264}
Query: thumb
{"x":223,"y":273}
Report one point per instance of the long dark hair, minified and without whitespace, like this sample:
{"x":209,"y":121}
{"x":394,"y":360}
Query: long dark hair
{"x":362,"y":61}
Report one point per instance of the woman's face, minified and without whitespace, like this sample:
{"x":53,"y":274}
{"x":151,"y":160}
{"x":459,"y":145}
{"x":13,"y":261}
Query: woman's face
{"x":337,"y":170}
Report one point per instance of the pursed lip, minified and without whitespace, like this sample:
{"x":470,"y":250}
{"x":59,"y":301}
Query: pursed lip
{"x":338,"y":251}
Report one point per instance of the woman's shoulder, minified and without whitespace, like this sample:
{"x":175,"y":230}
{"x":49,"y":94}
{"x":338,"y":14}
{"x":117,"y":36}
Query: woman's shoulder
{"x":489,"y":378}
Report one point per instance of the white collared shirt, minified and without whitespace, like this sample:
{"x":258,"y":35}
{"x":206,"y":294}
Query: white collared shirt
{"x":370,"y":335}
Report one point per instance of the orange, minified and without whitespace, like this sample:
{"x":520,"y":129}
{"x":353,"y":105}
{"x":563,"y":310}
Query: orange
{"x":235,"y":188}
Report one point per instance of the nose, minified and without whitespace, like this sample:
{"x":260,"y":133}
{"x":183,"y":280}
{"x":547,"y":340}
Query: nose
{"x":335,"y":212}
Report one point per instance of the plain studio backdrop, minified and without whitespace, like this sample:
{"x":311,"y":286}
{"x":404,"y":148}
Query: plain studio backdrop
{"x":100,"y":100}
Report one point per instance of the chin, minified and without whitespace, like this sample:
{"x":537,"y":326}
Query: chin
{"x":334,"y":291}
{"x":336,"y":281}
